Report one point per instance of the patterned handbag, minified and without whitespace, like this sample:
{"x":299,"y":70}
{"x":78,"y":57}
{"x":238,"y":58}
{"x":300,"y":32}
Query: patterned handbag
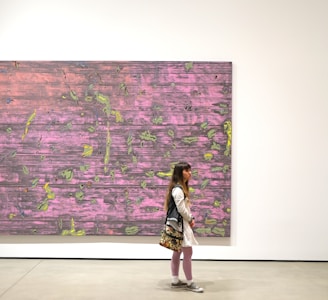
{"x":171,"y":238}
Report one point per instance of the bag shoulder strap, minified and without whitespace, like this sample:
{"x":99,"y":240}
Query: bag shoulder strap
{"x":172,"y":209}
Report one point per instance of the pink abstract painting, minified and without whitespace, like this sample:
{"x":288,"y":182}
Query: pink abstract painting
{"x":87,"y":148}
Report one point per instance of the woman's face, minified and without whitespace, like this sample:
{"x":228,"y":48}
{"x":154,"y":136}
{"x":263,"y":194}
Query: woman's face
{"x":186,"y":174}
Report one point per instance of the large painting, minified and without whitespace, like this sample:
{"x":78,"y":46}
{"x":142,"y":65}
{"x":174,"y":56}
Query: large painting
{"x":87,"y":148}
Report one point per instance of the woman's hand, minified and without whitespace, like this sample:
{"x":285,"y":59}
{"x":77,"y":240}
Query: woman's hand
{"x":192,"y":223}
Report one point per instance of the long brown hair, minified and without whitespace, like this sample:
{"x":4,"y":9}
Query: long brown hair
{"x":177,"y":178}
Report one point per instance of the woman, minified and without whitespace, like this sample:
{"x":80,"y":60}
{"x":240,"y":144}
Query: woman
{"x":179,"y":189}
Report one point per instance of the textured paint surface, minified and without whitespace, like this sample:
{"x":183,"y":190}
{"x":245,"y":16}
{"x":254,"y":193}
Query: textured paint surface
{"x":87,"y":148}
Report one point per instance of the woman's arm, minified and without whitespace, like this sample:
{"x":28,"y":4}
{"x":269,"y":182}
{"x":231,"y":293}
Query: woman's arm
{"x":178,"y":197}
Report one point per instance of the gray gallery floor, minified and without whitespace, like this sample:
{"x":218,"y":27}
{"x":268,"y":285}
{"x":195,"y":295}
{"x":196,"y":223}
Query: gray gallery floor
{"x":149,"y":279}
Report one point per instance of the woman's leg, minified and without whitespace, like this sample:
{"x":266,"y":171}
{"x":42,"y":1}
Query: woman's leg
{"x":187,"y":254}
{"x":191,"y":286}
{"x":175,"y":264}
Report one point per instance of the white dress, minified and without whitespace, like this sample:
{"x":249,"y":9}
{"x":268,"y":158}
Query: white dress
{"x":184,"y":210}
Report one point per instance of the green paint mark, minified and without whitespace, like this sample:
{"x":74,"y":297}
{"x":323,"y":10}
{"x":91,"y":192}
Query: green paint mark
{"x":203,"y":230}
{"x":124,"y":88}
{"x":218,"y":231}
{"x":73,"y":95}
{"x":211,"y":133}
{"x":147,"y":136}
{"x":189,"y":140}
{"x":129,"y":139}
{"x":28,"y":123}
{"x":223,"y":169}
{"x":188,"y":66}
{"x":167,"y":154}
{"x":143,"y":184}
{"x":157,"y":120}
{"x":204,"y":183}
{"x":88,"y":98}
{"x":139,"y":200}
{"x":157,"y":107}
{"x":67,"y":174}
{"x":217,"y":203}
{"x":97,"y":179}
{"x":13,"y":154}
{"x":124,"y":168}
{"x":91,"y":129}
{"x":79,"y":196}
{"x":210,"y":221}
{"x":108,"y":145}
{"x":35,"y":182}
{"x":171,"y":133}
{"x":103,"y":100}
{"x":131,"y":230}
{"x":69,"y":126}
{"x":26,"y":170}
{"x":204,"y":125}
{"x":43,"y":205}
{"x":150,"y":173}
{"x":9,"y":130}
{"x":215,"y":146}
{"x":223,"y":111}
{"x":84,"y":168}
{"x":151,"y":209}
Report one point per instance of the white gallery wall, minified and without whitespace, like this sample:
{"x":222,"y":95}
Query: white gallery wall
{"x":279,"y":51}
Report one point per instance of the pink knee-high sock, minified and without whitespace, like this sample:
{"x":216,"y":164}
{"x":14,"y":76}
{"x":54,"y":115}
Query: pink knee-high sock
{"x":175,"y":263}
{"x":187,"y":268}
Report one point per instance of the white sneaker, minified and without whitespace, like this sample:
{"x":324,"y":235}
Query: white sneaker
{"x":179,"y":284}
{"x":194,"y":288}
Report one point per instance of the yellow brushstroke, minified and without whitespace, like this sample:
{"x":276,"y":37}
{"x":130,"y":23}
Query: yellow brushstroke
{"x":72,"y":231}
{"x":11,"y":216}
{"x":28,"y":123}
{"x":102,"y":99}
{"x":49,"y":192}
{"x":208,"y":156}
{"x":88,"y":150}
{"x":228,"y":131}
{"x":118,"y":116}
{"x":164,"y":174}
